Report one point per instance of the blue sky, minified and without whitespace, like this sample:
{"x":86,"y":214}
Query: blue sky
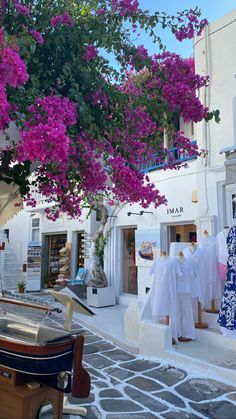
{"x":211,"y":9}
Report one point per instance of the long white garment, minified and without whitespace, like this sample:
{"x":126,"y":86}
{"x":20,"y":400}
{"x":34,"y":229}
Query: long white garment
{"x":185,"y":276}
{"x":163,"y":294}
{"x":210,"y":281}
{"x":185,"y":322}
{"x":222,"y":254}
{"x":185,"y":293}
{"x":194,"y":254}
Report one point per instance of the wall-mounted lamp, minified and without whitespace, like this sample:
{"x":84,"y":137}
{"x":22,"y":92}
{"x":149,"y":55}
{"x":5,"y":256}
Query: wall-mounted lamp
{"x":32,"y":214}
{"x":194,"y":197}
{"x":146,"y":212}
{"x":134,"y":213}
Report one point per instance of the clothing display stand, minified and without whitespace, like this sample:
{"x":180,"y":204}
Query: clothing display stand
{"x":208,"y":244}
{"x":213,"y":308}
{"x":73,"y":409}
{"x":200,"y":324}
{"x":183,"y":339}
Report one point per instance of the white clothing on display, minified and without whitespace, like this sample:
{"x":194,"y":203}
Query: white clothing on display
{"x":185,"y":276}
{"x":211,"y":285}
{"x":185,"y":293}
{"x":222,"y":253}
{"x":194,"y":254}
{"x":185,"y":321}
{"x":163,"y":294}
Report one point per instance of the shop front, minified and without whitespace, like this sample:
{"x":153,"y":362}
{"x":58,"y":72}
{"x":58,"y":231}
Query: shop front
{"x":52,"y":246}
{"x":130,"y":284}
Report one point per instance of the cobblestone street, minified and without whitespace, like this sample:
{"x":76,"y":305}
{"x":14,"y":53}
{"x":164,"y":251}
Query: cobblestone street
{"x":129,"y":387}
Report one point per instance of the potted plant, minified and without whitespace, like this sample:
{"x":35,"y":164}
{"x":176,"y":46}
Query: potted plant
{"x":21,"y":286}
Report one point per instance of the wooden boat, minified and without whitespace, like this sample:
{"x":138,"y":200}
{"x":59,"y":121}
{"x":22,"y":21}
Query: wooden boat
{"x":48,"y":355}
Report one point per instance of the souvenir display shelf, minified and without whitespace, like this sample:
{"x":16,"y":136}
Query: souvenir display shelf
{"x":34,"y":255}
{"x":55,"y":245}
{"x":64,"y":264}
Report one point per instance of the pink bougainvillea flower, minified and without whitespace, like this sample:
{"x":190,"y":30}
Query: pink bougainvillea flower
{"x":37,"y":36}
{"x":90,"y":53}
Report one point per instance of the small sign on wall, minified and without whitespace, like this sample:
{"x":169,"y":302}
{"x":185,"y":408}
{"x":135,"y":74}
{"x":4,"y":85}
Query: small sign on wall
{"x":147,"y":246}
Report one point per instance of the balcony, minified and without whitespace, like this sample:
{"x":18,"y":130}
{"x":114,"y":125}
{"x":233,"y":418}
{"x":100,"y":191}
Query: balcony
{"x":179,"y":157}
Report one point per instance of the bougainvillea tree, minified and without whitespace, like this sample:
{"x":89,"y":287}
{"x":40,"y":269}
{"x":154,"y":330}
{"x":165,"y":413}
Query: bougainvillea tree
{"x":86,"y":125}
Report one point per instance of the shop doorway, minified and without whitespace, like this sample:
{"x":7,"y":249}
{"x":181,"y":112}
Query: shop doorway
{"x":130,"y":284}
{"x":80,"y":251}
{"x":52,"y":245}
{"x":185,"y":233}
{"x":230,"y":204}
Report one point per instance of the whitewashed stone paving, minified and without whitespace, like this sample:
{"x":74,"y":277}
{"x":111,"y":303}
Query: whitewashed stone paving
{"x":129,"y":387}
{"x":126,"y":386}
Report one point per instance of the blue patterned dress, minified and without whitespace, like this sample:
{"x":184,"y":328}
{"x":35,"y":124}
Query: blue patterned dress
{"x":227,"y":315}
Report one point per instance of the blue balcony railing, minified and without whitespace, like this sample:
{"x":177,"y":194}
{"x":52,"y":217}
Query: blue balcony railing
{"x":179,"y":157}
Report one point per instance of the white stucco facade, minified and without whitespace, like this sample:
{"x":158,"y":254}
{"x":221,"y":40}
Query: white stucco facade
{"x":214,"y":55}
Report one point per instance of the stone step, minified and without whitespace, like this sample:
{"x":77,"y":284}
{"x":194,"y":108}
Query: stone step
{"x":205,"y":358}
{"x":211,"y":319}
{"x":11,"y":268}
{"x":216,"y":338}
{"x":10,"y":255}
{"x":9,"y":263}
{"x":13,"y":274}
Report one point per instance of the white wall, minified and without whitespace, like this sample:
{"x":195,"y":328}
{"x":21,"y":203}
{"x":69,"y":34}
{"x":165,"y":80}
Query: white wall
{"x":215,"y":56}
{"x":19,"y":234}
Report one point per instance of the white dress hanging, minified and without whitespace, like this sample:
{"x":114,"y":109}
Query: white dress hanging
{"x":194,"y":253}
{"x":222,"y":253}
{"x":185,"y":293}
{"x":162,"y":297}
{"x":185,"y":276}
{"x":211,"y":284}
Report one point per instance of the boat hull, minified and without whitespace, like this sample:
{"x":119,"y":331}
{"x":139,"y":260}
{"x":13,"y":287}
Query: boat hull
{"x":39,"y":364}
{"x":48,"y":355}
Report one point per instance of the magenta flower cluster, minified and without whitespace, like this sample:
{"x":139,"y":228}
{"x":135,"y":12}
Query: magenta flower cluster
{"x":72,"y":165}
{"x":37,"y":36}
{"x":125,"y":7}
{"x":91,"y":52}
{"x":64,"y":19}
{"x":187,"y":29}
{"x":179,"y":85}
{"x":13,"y":72}
{"x":100,"y":12}
{"x":130,"y":186}
{"x":142,"y":52}
{"x":100,"y":99}
{"x":45,"y":139}
{"x":22,"y":9}
{"x":44,"y":136}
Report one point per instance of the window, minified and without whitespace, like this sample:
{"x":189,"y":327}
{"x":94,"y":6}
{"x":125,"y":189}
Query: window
{"x":35,"y":222}
{"x":35,"y":229}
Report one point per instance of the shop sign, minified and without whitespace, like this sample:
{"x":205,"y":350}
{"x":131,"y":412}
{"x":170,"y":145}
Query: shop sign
{"x":175,"y":212}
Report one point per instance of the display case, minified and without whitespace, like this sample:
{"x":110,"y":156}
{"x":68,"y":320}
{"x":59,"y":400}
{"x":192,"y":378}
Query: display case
{"x":56,"y":243}
{"x":34,"y":256}
{"x":64,"y":264}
